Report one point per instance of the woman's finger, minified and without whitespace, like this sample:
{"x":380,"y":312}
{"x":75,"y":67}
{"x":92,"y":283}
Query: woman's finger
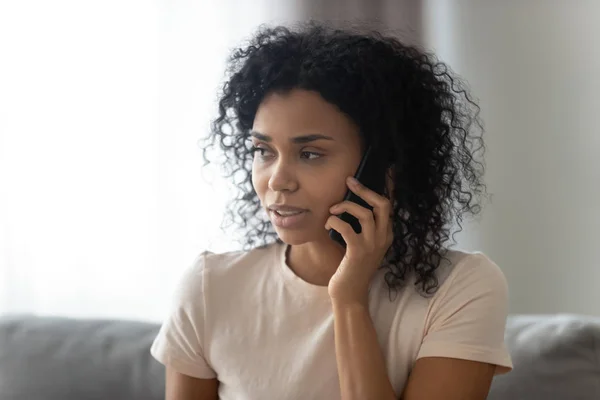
{"x":381,"y":205}
{"x":343,"y":228}
{"x":364,"y":215}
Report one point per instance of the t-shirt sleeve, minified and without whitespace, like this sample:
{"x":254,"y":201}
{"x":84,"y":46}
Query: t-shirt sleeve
{"x":467,"y":316}
{"x":180,"y":341}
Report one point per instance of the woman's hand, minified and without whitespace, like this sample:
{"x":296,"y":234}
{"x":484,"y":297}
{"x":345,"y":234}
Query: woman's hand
{"x":365,"y":250}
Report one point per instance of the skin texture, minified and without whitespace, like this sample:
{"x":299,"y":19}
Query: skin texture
{"x":182,"y":387}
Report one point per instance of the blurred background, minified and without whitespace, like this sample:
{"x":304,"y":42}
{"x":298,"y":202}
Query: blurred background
{"x":103,"y":201}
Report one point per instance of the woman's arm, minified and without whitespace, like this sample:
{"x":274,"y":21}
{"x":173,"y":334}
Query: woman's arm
{"x":361,"y":367}
{"x":434,"y":378}
{"x":363,"y":374}
{"x":469,"y":316}
{"x":184,"y":387}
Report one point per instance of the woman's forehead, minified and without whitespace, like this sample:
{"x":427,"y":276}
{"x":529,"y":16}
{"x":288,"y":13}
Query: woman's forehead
{"x":301,"y":113}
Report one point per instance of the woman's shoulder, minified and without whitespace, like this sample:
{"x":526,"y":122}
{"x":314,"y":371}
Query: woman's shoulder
{"x":234,"y":263}
{"x":232,"y":258}
{"x":472,"y":262}
{"x":469,"y":271}
{"x":215,"y":268}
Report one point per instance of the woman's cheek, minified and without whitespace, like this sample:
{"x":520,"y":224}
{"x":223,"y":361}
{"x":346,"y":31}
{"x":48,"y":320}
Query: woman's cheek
{"x":256,"y":183}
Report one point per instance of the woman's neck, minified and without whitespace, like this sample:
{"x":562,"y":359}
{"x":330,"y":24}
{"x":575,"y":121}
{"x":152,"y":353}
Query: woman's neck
{"x":315,"y":262}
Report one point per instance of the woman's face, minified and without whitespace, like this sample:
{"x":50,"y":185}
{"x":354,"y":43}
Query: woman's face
{"x":307,"y":148}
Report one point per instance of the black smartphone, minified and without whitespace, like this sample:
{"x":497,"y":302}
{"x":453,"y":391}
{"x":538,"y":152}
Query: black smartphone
{"x":371,"y":173}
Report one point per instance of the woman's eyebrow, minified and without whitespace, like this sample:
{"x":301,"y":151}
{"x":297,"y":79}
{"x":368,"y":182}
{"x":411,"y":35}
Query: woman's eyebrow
{"x":296,"y":139}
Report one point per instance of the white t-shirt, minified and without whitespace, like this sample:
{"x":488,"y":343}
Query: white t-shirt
{"x":246,"y":319}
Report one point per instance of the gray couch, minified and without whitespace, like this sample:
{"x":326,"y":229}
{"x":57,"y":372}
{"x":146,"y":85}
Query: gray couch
{"x":555,"y":357}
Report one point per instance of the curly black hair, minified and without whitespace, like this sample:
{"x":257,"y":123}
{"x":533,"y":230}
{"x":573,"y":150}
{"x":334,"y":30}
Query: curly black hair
{"x":401,"y":97}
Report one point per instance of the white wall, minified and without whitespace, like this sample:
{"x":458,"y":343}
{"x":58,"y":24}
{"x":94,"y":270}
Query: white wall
{"x":102,"y":197}
{"x":534,"y":66}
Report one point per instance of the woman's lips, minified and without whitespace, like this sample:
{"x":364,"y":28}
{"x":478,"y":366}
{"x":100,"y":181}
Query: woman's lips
{"x":288,"y":221}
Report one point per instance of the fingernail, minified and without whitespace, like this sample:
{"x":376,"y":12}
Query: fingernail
{"x":352,"y":180}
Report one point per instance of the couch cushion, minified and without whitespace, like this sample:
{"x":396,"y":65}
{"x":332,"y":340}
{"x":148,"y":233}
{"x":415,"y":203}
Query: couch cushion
{"x":62,"y":359}
{"x":554,"y":357}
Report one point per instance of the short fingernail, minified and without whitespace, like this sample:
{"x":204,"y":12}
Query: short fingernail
{"x":353,"y":180}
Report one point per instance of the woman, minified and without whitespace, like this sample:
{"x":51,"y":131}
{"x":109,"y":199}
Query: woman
{"x":392,"y":314}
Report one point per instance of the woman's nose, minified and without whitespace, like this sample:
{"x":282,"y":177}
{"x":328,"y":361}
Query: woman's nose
{"x":283,"y":177}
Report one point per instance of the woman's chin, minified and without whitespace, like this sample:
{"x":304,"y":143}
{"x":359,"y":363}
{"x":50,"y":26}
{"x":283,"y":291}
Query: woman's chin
{"x":300,"y":237}
{"x":292,"y":238}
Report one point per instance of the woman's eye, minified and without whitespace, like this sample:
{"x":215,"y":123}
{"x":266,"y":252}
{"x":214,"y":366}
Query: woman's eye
{"x":310,"y":155}
{"x":260,"y":150}
{"x":264,"y":153}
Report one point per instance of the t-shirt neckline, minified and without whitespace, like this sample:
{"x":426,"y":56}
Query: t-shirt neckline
{"x":296,"y":284}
